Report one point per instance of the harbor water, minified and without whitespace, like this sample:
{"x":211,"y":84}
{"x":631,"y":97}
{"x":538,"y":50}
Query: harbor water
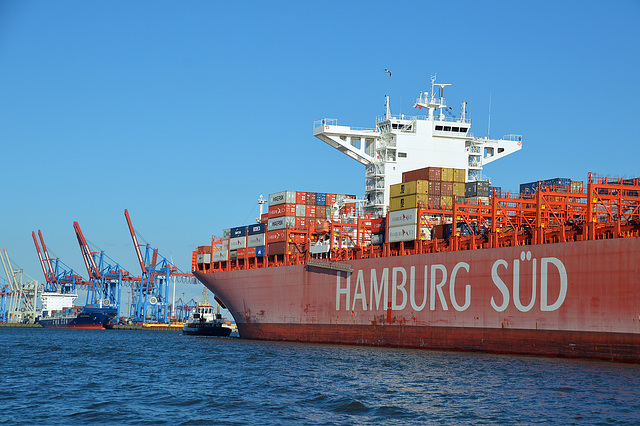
{"x":52,"y":376}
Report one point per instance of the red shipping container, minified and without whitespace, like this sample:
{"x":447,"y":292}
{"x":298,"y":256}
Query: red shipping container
{"x":275,"y":236}
{"x":241,"y":252}
{"x":435,"y":188}
{"x":331,"y":199}
{"x":282,"y":210}
{"x":301,"y":222}
{"x":279,"y":248}
{"x":297,"y":238}
{"x":377,"y":225}
{"x":321,"y":212}
{"x":446,"y":188}
{"x":311,"y":210}
{"x":311,"y":198}
{"x":264,"y":218}
{"x":251,"y":252}
{"x":434,"y":200}
{"x":427,"y":173}
{"x":301,"y":197}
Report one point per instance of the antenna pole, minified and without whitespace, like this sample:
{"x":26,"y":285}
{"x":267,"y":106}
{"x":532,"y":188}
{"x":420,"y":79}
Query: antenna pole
{"x":489,"y":125}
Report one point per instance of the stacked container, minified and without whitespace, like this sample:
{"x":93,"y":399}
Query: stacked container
{"x":444,"y":183}
{"x":298,"y":210}
{"x":555,"y":184}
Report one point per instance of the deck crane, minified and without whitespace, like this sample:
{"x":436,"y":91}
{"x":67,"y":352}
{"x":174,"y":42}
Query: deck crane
{"x":23,"y":295}
{"x":105,"y":280}
{"x":151,"y":297}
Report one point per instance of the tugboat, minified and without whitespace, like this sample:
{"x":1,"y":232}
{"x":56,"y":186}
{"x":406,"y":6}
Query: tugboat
{"x":203,"y":321}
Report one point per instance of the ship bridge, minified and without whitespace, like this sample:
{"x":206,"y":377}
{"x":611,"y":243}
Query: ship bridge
{"x":402,"y":143}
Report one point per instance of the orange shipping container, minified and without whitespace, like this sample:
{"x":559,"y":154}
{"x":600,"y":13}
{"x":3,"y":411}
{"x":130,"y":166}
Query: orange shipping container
{"x":311,"y":210}
{"x":301,"y":222}
{"x":301,"y":197}
{"x":275,"y":236}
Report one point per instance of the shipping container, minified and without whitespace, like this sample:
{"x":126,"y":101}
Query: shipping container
{"x":446,"y":188}
{"x":321,"y":199}
{"x":226,"y":233}
{"x":478,"y":188}
{"x":237,"y":242}
{"x":435,"y":187}
{"x":459,"y":175}
{"x":427,"y":173}
{"x":281,"y":222}
{"x":301,"y":222}
{"x":250,"y":252}
{"x":233,"y":254}
{"x":280,"y":248}
{"x":446,"y":201}
{"x":238,"y":231}
{"x":311,"y":198}
{"x":301,"y":197}
{"x":301,"y":210}
{"x":576,"y":187}
{"x":321,"y":212}
{"x":264,"y":217}
{"x":282,"y":210}
{"x":402,"y":217}
{"x":260,"y":251}
{"x":258,"y":228}
{"x":496,"y":191}
{"x":256,"y":240}
{"x":459,"y":189}
{"x":331,"y":199}
{"x":284,"y":197}
{"x":434,"y":200}
{"x":408,"y":202}
{"x":377,"y":225}
{"x":241,"y":253}
{"x":402,"y":233}
{"x":310,"y":210}
{"x":409,"y":188}
{"x":204,"y":258}
{"x":275,"y":236}
{"x":446,"y":174}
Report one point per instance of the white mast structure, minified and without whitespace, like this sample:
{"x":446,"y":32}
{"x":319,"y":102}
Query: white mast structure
{"x":23,"y":301}
{"x":400,"y":143}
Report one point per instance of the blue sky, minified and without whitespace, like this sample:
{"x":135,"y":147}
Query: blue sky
{"x":185,"y":112}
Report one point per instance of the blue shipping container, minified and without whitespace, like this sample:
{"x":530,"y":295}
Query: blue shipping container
{"x":240,"y":231}
{"x":321,"y":199}
{"x":258,"y":228}
{"x":260,"y":251}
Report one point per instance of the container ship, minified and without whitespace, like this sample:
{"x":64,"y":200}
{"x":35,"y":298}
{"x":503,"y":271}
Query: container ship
{"x":435,"y":257}
{"x":58,"y":312}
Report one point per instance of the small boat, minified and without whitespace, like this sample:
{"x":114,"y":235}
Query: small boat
{"x":204,"y":321}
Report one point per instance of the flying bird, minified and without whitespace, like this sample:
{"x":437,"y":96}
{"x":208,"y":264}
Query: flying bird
{"x":386,"y":70}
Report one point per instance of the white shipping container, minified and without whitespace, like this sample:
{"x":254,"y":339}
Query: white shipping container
{"x":225,"y":233}
{"x":403,"y":217}
{"x":402,"y":233}
{"x":256,"y":240}
{"x":301,"y":210}
{"x":284,"y":197}
{"x":204,"y":258}
{"x":237,"y":242}
{"x":281,"y":222}
{"x":220,"y":255}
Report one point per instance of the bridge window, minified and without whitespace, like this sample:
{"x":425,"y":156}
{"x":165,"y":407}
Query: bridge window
{"x":402,"y":155}
{"x":438,"y":127}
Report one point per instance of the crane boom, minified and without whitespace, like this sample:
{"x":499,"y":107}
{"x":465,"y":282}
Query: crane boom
{"x":89,"y":261}
{"x":135,"y":242}
{"x":47,"y":277}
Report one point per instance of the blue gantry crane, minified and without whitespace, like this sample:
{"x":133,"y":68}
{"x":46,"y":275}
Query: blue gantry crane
{"x":151,"y":296}
{"x":106,"y":277}
{"x":59,"y":278}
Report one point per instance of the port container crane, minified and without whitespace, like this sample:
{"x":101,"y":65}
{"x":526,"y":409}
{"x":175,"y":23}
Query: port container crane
{"x":151,"y":297}
{"x":23,"y":295}
{"x":105,"y":279}
{"x":59,"y":278}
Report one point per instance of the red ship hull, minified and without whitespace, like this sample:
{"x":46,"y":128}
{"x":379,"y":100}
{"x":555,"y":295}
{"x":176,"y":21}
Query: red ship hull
{"x":577,"y":299}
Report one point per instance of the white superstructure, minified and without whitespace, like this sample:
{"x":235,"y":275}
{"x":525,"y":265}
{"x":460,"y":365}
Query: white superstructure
{"x":402,"y":143}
